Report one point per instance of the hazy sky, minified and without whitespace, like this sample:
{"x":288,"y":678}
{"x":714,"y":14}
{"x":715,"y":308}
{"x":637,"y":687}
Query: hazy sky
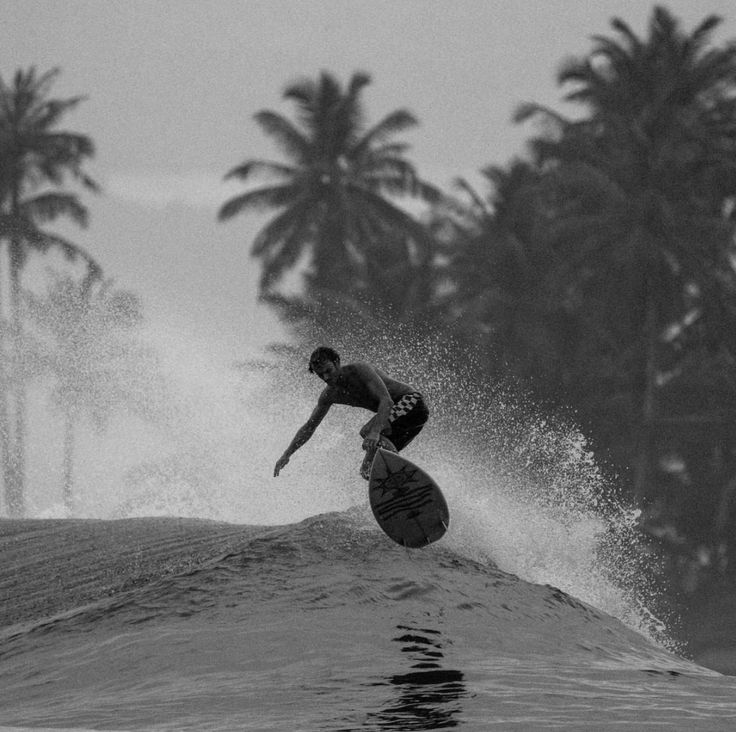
{"x":173,"y":85}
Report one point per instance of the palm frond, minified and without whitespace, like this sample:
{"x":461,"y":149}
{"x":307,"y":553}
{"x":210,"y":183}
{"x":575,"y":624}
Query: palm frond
{"x":42,"y":241}
{"x":388,"y":149}
{"x":528,"y":110}
{"x":254,"y":167}
{"x":281,"y":242}
{"x":50,"y":112}
{"x":397,"y":121}
{"x":478,"y":204}
{"x":258,"y":199}
{"x":392,"y":216}
{"x":279,"y":227}
{"x":49,"y":206}
{"x":302,"y":90}
{"x":287,"y":136}
{"x":624,"y":29}
{"x":349,"y":114}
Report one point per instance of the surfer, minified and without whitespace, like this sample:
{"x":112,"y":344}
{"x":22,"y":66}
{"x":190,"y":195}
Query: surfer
{"x":400,"y":411}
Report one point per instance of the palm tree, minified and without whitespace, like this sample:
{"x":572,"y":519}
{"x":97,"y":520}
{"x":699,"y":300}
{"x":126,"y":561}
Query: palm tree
{"x":503,"y":294}
{"x":36,"y":160}
{"x":641,"y":182}
{"x":333,"y":197}
{"x":85,"y":338}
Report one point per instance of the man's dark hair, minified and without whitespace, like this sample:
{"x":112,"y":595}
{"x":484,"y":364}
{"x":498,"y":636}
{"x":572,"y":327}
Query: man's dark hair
{"x":322,"y":354}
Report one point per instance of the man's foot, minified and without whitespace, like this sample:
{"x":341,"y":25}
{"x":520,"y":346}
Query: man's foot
{"x":386,"y":444}
{"x":365,"y":467}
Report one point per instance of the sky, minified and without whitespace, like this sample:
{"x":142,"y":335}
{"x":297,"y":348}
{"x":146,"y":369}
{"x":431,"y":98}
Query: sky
{"x":171,"y":88}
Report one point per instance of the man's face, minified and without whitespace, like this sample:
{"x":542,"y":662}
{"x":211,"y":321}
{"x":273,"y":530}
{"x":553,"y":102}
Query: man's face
{"x":327,"y":371}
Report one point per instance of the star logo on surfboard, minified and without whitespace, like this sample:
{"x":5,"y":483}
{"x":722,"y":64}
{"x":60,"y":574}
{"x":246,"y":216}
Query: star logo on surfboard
{"x":398,"y":481}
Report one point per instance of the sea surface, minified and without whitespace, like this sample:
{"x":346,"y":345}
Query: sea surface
{"x":322,"y":624}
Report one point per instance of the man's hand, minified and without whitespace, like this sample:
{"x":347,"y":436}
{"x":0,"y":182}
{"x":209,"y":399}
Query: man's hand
{"x":280,"y":463}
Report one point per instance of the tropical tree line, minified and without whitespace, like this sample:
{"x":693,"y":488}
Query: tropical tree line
{"x":600,"y":268}
{"x":79,"y":333}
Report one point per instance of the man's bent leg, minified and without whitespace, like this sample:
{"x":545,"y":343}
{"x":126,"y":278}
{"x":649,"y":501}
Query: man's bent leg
{"x":365,"y":467}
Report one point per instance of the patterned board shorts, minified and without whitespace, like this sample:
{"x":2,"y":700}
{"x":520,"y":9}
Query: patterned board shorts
{"x":407,"y":417}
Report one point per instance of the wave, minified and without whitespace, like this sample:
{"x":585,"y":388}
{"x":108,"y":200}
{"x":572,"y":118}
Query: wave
{"x":138,"y":570}
{"x":168,"y":624}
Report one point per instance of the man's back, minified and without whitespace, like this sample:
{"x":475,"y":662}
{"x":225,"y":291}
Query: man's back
{"x":351,"y":388}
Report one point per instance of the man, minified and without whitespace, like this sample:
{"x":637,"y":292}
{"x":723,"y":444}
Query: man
{"x":400,"y":409}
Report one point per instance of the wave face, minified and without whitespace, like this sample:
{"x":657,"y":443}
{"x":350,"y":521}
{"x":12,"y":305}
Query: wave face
{"x":185,"y":624}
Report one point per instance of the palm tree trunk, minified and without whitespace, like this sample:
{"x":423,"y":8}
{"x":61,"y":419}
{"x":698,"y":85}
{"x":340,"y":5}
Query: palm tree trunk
{"x":723,"y":511}
{"x":642,"y":466}
{"x":4,"y":415}
{"x":68,"y":487}
{"x":4,"y":396}
{"x":16,"y":453}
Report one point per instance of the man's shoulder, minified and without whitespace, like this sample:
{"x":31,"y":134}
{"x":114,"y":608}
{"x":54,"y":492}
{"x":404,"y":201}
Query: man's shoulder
{"x":327,"y":395}
{"x":358,"y":368}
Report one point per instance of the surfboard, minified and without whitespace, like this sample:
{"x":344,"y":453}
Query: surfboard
{"x":406,"y":502}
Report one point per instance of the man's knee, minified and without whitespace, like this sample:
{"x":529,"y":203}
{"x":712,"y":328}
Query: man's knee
{"x":368,"y":426}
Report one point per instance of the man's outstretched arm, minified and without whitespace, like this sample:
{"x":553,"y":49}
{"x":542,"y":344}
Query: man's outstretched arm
{"x":302,"y":435}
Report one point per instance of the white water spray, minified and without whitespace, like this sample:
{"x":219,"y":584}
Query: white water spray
{"x":523,"y":492}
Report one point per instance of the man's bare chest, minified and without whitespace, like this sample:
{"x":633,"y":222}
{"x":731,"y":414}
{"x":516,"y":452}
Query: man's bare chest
{"x":353,"y":393}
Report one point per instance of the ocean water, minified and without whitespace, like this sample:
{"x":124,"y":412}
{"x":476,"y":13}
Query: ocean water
{"x":185,"y":624}
{"x":188,"y":589}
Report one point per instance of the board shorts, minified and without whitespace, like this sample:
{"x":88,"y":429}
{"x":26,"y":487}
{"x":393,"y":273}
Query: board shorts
{"x":408,"y":415}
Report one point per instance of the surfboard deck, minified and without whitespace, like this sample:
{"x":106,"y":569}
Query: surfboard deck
{"x":406,"y":502}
